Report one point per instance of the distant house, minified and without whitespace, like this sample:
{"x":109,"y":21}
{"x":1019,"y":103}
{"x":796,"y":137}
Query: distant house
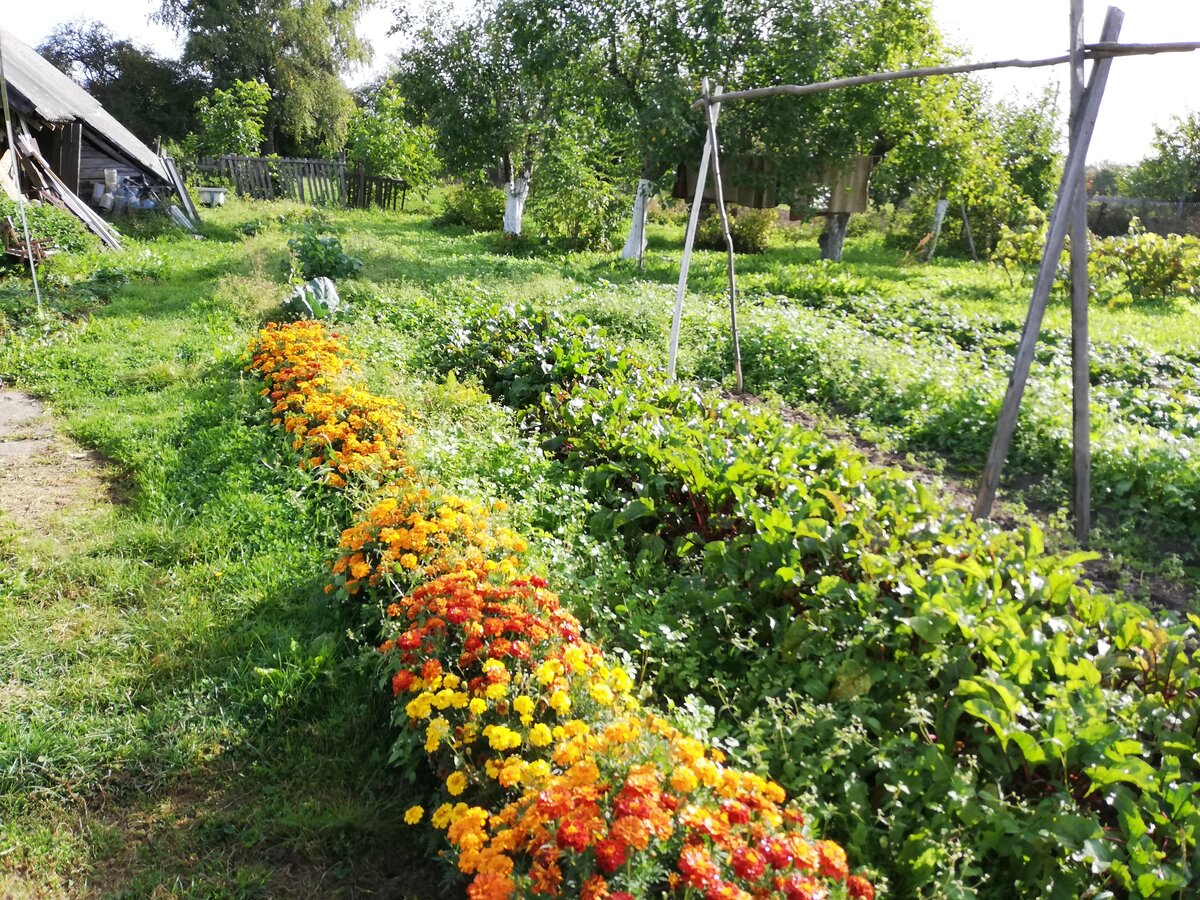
{"x":73,"y":133}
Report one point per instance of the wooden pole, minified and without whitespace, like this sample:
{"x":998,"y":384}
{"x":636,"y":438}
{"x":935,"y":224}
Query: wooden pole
{"x":1102,"y":50}
{"x":688,"y":242}
{"x":1081,"y":419}
{"x":715,"y":160}
{"x":16,"y":178}
{"x":939,"y":219}
{"x":1060,"y":220}
{"x":967,"y":227}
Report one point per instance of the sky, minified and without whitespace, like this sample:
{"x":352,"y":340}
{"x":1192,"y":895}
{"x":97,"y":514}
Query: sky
{"x":1141,"y":93}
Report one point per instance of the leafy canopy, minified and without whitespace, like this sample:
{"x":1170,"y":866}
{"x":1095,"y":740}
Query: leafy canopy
{"x":231,"y":122}
{"x":383,"y":140}
{"x":298,"y":48}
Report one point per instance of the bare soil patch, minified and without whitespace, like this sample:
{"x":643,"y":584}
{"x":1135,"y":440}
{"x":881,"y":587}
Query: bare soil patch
{"x":43,"y":474}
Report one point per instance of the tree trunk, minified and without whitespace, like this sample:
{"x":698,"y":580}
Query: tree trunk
{"x":834,"y":236}
{"x":517,"y":191}
{"x":636,"y":244}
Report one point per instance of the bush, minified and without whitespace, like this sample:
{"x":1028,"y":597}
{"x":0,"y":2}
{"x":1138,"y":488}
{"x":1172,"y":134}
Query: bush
{"x":322,"y":257}
{"x":751,"y":230}
{"x":476,"y":204}
{"x":574,"y":199}
{"x":1148,"y":266}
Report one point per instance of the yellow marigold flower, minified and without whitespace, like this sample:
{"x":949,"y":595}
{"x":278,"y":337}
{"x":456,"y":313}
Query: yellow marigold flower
{"x":574,"y":659}
{"x":408,"y":561}
{"x":414,"y":815}
{"x":451,"y":681}
{"x":511,"y":772}
{"x":560,"y":702}
{"x":456,"y":783}
{"x":441,"y":816}
{"x":478,"y":706}
{"x":537,"y":772}
{"x":548,"y":670}
{"x":620,"y":680}
{"x":540,"y":735}
{"x":493,"y":665}
{"x":523,"y":705}
{"x":601,"y":693}
{"x":435,"y":733}
{"x":684,"y":780}
{"x":496,"y":691}
{"x":420,"y":707}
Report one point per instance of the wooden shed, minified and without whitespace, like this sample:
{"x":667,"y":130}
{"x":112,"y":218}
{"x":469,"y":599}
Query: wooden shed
{"x":61,"y":126}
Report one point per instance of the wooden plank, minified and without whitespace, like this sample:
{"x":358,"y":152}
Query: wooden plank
{"x":189,"y":207}
{"x":1081,"y":417}
{"x":29,"y":149}
{"x":1060,"y":220}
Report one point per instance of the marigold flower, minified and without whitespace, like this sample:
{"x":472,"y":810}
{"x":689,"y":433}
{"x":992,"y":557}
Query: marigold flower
{"x":456,"y":784}
{"x":414,"y":814}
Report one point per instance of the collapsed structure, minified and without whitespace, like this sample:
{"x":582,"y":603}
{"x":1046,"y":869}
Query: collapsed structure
{"x":70,"y":152}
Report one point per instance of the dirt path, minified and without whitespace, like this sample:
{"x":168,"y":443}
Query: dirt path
{"x":42,"y":473}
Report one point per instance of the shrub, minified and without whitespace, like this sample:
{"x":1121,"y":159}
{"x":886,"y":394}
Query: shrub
{"x":574,"y":199}
{"x":319,"y":256}
{"x":1149,"y":266}
{"x":751,"y":230}
{"x":475,"y":204}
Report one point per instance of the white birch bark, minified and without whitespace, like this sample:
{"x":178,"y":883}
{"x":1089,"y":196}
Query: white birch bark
{"x":517,"y":191}
{"x":636,"y":243}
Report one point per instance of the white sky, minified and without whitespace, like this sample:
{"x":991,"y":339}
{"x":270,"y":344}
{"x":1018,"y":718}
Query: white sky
{"x":1141,"y":92}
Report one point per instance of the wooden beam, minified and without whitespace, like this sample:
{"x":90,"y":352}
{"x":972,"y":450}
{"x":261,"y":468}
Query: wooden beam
{"x":1100,"y":51}
{"x":1081,"y":419}
{"x":715,"y":160}
{"x":689,"y":240}
{"x":1060,"y":220}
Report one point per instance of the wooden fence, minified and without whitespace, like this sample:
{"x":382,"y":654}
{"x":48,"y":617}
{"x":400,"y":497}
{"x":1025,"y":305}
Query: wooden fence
{"x":320,"y":182}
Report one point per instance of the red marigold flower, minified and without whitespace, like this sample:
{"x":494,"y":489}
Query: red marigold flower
{"x":610,"y":855}
{"x":573,"y":835}
{"x":431,"y":669}
{"x":859,"y":888}
{"x":748,"y":864}
{"x":594,"y":888}
{"x":803,"y":887}
{"x":832,"y":860}
{"x":402,"y":681}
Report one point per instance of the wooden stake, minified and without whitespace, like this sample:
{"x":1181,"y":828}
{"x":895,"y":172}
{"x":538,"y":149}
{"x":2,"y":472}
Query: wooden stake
{"x":1060,"y":220}
{"x":970,"y":237}
{"x":688,"y":242}
{"x":939,"y":218}
{"x":1081,"y":419}
{"x":724,"y":213}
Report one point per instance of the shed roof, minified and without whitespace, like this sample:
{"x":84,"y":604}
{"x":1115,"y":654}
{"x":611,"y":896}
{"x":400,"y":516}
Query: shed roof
{"x":56,"y":98}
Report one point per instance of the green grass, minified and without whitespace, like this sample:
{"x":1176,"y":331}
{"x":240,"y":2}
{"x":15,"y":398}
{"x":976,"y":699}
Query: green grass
{"x":178,"y":708}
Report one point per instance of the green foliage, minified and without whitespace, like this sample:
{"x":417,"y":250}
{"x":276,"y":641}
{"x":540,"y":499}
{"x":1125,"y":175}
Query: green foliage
{"x":151,"y":96}
{"x":751,"y":230}
{"x":299,"y":48}
{"x":321,"y":256}
{"x":1173,"y":172}
{"x":231,"y":122}
{"x":1148,"y":266}
{"x":574,"y":199}
{"x":968,"y":717}
{"x":1140,"y":265}
{"x":383,"y":140}
{"x":475,"y":204}
{"x":49,"y":223}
